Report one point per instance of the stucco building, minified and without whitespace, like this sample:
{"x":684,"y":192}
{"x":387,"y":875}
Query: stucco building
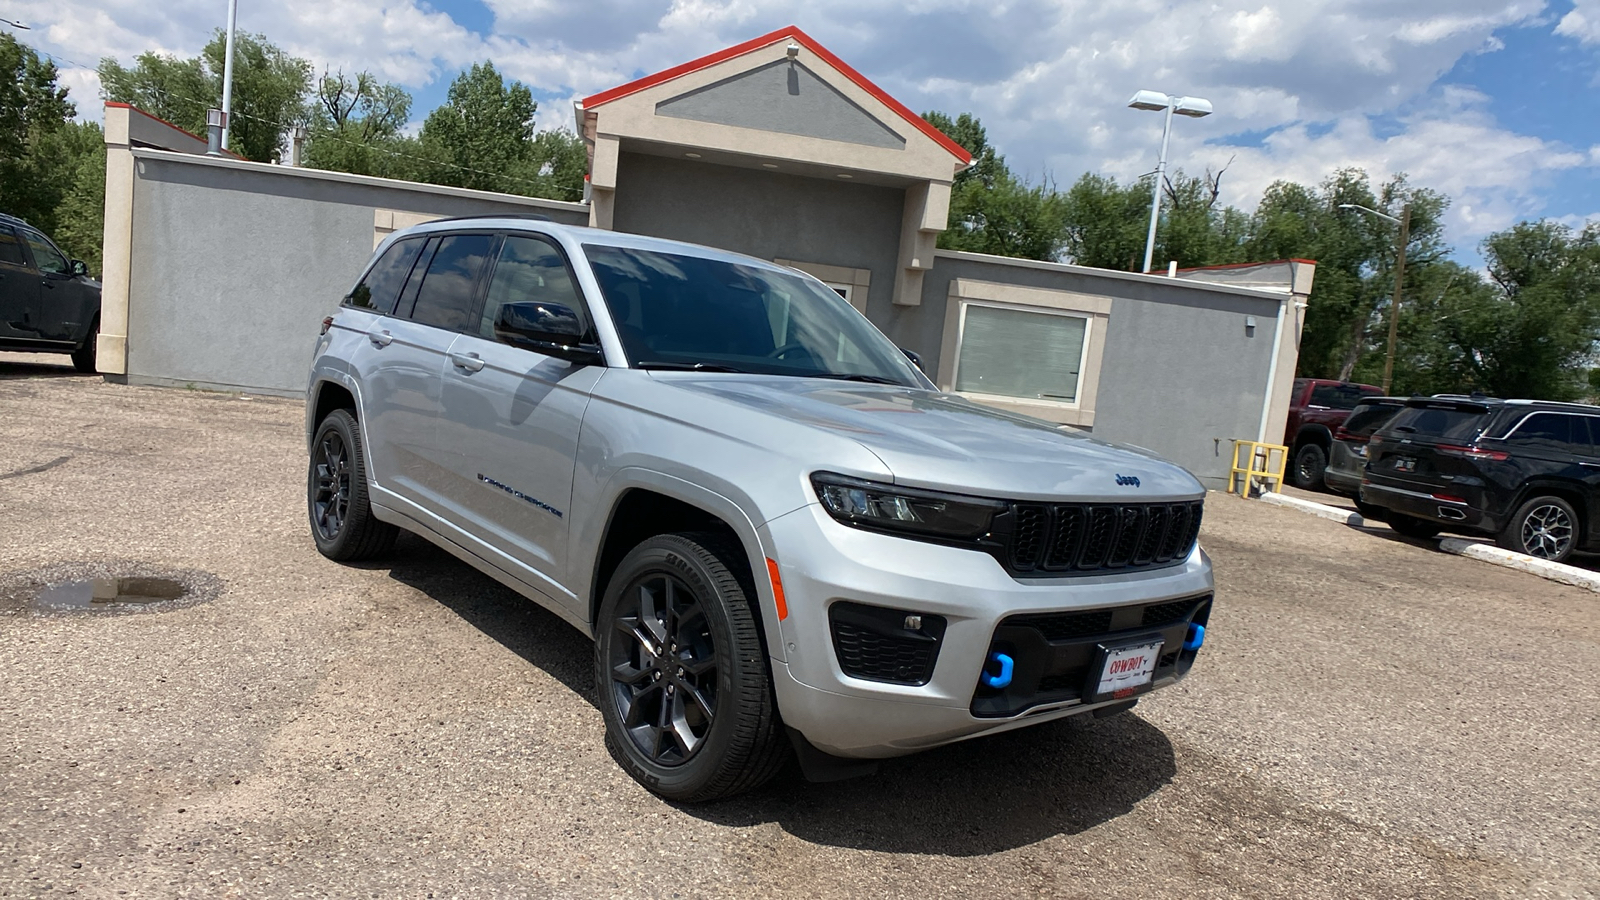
{"x":775,"y":148}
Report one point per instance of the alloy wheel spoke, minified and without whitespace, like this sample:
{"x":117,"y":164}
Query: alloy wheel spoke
{"x":699,"y":699}
{"x":681,"y":732}
{"x":630,"y":674}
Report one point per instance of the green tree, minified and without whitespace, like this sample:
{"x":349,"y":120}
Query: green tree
{"x":1346,"y":326}
{"x":269,"y":90}
{"x":483,"y":132}
{"x":1529,"y":329}
{"x":355,"y":126}
{"x":993,"y":211}
{"x":33,"y":111}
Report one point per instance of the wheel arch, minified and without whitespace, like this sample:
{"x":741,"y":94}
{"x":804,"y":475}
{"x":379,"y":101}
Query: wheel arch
{"x":1572,"y":493}
{"x":1321,"y":435}
{"x":644,"y":504}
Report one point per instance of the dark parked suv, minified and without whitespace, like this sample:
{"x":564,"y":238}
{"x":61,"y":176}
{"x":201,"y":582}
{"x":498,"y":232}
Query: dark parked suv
{"x":47,"y":302}
{"x":1316,"y":408}
{"x":1347,"y":454}
{"x":1526,"y":472}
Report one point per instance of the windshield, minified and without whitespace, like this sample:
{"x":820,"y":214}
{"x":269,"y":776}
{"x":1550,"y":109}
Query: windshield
{"x":688,"y":312}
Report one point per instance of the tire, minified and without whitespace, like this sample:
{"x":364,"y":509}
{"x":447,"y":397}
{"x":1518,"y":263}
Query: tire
{"x":342,"y":523}
{"x":1412,"y":527}
{"x":1310,"y":461}
{"x":701,"y":663}
{"x":1370,"y":512}
{"x":83,"y":358}
{"x":1545,"y":527}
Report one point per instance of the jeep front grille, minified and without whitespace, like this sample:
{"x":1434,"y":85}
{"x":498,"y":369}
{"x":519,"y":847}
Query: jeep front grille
{"x":1073,"y":539}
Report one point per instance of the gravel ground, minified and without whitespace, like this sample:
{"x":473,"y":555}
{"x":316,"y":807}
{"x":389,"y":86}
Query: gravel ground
{"x":1371,"y":718}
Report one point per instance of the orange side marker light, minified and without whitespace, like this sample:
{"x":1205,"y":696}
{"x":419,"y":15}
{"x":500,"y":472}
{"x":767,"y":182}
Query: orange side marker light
{"x":777,"y":589}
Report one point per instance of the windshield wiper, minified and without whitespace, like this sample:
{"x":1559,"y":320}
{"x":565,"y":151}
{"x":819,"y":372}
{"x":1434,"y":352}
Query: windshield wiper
{"x":686,"y":367}
{"x":857,"y":376}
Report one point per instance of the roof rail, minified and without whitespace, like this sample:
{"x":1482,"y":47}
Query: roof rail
{"x":537,"y":217}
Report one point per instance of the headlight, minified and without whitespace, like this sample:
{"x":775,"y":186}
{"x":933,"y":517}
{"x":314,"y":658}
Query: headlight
{"x":885,"y":507}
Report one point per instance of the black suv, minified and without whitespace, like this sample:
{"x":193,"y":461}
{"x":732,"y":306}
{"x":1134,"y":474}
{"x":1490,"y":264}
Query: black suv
{"x":1525,"y":471}
{"x":47,"y":301}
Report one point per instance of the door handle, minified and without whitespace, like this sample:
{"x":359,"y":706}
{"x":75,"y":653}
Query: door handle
{"x":468,"y":361}
{"x":380,"y":337}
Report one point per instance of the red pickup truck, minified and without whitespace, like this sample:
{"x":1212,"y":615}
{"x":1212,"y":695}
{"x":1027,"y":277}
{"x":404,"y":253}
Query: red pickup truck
{"x":1317,"y":408}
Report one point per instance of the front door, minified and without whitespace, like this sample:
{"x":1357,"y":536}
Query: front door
{"x":19,"y":287}
{"x":63,"y":308}
{"x":510,"y":418}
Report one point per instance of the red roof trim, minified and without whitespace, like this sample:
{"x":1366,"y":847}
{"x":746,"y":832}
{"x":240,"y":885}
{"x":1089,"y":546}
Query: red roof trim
{"x":1268,"y":262}
{"x":805,"y":40}
{"x":120,"y":105}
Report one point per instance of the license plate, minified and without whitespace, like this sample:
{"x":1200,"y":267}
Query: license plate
{"x":1127,"y":670}
{"x":1405,"y":464}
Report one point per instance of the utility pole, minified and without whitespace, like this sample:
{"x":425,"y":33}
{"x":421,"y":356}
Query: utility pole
{"x":227,"y":74}
{"x":1394,"y":305}
{"x":1401,"y":241}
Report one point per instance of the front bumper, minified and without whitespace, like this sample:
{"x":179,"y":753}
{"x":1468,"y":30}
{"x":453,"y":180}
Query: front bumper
{"x":823,"y":562}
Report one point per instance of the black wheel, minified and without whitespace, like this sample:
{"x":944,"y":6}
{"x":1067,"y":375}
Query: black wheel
{"x":1546,"y":527}
{"x":1371,"y":513}
{"x":342,"y":522}
{"x":1310,"y":461}
{"x":681,"y":672}
{"x":83,"y":358}
{"x":1412,"y":527}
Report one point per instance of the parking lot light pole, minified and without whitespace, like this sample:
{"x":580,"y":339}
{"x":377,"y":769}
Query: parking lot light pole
{"x":17,"y":25}
{"x":227,"y":73}
{"x":1155,"y":101}
{"x":1401,"y":241}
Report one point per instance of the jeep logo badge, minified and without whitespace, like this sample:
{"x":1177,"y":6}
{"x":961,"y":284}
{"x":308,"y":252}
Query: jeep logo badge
{"x":1127,"y":480}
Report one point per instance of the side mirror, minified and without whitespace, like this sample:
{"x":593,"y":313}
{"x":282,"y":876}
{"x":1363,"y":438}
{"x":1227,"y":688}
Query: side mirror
{"x":916,"y":359}
{"x":79,"y":268}
{"x":548,"y":328}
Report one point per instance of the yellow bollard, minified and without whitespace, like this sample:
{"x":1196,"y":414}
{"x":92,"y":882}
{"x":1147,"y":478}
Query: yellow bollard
{"x":1258,"y":465}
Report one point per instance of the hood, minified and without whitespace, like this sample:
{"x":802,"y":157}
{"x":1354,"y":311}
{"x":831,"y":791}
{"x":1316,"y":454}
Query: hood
{"x":944,"y":441}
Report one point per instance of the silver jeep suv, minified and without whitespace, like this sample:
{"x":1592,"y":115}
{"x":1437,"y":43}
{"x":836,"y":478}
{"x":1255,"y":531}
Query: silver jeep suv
{"x":778,"y":532}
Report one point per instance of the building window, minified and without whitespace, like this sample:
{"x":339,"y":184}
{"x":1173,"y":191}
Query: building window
{"x":1034,"y":351}
{"x":851,"y":284}
{"x":1028,"y":354}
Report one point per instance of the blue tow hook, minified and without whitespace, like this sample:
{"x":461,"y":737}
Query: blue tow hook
{"x":1003,"y":678}
{"x":1196,"y":637}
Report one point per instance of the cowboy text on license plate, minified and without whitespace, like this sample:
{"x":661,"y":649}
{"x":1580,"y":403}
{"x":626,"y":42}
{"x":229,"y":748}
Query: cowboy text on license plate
{"x":1128,"y":668}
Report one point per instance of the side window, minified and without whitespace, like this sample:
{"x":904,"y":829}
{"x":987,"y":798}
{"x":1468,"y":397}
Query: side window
{"x":1548,"y":432}
{"x":46,"y":257}
{"x":11,"y":248}
{"x":529,"y":270}
{"x":381,"y":288}
{"x":446,"y":295}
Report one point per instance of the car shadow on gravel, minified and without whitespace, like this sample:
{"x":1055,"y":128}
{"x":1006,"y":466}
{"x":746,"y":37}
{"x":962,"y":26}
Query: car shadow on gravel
{"x":968,"y":799}
{"x":972,"y":798}
{"x":522,"y":626}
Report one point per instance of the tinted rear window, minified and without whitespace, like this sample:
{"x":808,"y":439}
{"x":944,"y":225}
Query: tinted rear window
{"x":1369,"y":418}
{"x":446,"y":297}
{"x":1337,"y":396}
{"x":1446,"y":423}
{"x":379,"y":290}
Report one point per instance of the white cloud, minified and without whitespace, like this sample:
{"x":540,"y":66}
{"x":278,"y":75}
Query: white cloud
{"x":1048,"y":77}
{"x":1583,"y":22}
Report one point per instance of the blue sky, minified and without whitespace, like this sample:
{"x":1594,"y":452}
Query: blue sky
{"x":1486,"y":100}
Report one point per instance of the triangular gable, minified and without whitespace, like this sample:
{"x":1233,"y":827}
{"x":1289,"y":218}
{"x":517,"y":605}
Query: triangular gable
{"x":800,"y":37}
{"x":783,"y":96}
